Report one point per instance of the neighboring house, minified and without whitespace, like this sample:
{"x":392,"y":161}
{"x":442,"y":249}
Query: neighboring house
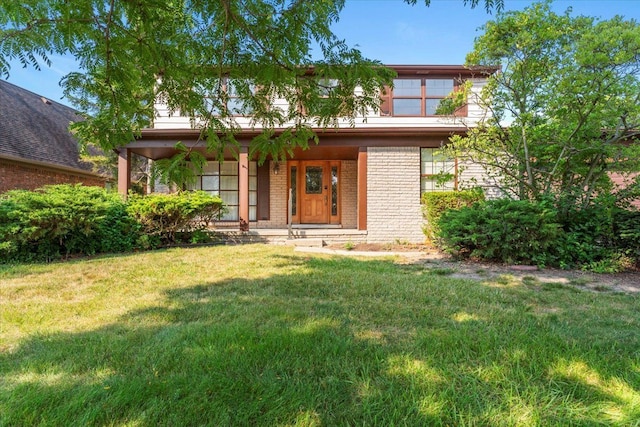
{"x":621,"y":182}
{"x":362,"y":183}
{"x":36,"y":147}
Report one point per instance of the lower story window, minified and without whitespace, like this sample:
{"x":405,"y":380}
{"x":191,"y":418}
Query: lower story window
{"x":221,"y":179}
{"x":437,"y":172}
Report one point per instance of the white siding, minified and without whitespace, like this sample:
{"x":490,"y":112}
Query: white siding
{"x":475,"y":112}
{"x":165,"y":120}
{"x":474,"y":175}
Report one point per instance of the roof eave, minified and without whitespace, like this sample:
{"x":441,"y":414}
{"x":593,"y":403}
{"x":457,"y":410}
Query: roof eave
{"x":53,"y":166}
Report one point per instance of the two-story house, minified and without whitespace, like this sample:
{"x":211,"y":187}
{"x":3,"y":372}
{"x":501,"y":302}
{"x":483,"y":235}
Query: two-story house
{"x":359,"y":183}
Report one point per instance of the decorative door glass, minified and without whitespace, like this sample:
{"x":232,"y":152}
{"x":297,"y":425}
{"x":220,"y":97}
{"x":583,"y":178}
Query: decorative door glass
{"x":334,"y":190}
{"x":313,"y":179}
{"x":294,"y":188}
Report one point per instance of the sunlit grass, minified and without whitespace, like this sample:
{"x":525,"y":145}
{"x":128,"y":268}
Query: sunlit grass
{"x":260,"y":335}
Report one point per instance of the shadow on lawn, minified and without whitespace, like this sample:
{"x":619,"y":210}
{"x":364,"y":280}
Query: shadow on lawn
{"x":331,"y":344}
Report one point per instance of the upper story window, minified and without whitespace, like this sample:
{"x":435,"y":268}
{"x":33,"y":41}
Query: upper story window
{"x":235,"y":105}
{"x":324,"y":104}
{"x":230,"y":99}
{"x":416,"y":96}
{"x":327,"y":86}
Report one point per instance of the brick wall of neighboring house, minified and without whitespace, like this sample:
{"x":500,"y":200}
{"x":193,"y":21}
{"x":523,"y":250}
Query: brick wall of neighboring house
{"x":393,"y":195}
{"x":18,"y":176}
{"x":349,"y":193}
{"x":620,"y":182}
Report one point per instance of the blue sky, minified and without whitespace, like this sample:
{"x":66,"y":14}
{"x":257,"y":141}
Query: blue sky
{"x":388,"y":30}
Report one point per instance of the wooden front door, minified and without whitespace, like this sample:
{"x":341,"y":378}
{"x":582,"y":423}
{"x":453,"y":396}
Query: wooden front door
{"x":315,"y":192}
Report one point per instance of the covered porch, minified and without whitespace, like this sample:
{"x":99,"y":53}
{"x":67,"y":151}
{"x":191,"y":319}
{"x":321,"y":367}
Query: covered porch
{"x":322,"y":188}
{"x":355,"y":185}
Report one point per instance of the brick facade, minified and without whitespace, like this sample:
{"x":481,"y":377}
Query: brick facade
{"x":277,"y":199}
{"x":23,"y":176}
{"x":393,"y":195}
{"x":349,"y":193}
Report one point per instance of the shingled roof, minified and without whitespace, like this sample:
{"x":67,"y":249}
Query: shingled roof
{"x":33,"y":128}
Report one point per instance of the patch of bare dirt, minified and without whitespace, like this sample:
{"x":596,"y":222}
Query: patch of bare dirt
{"x":628,"y":282}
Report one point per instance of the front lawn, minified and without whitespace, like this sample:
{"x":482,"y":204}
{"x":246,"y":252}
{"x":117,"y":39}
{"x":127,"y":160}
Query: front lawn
{"x":260,"y":335}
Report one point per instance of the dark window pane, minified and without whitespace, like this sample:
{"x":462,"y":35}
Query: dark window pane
{"x":406,"y":107}
{"x":294,"y":187}
{"x":407,"y":87}
{"x":439,"y":87}
{"x":334,"y":190}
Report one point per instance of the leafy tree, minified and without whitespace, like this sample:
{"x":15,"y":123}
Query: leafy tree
{"x":193,"y":55}
{"x":564,"y":108}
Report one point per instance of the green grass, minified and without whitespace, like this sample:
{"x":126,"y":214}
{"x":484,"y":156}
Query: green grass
{"x":260,"y":335}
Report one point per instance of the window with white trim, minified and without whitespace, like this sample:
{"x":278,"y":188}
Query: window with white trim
{"x":437,"y":172}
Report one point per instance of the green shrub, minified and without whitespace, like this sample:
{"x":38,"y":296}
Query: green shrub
{"x":163,"y":216}
{"x":626,"y":230}
{"x":63,"y":220}
{"x":599,"y":237}
{"x":510,"y":231}
{"x":436,"y":202}
{"x":588,"y":231}
{"x":118,"y":231}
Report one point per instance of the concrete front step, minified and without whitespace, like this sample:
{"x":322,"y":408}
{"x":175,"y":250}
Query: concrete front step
{"x":306,"y":242}
{"x":302,"y":238}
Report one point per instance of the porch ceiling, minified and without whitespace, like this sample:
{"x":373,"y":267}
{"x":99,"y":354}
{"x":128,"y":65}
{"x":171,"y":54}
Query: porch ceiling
{"x":314,"y":153}
{"x":342,"y":144}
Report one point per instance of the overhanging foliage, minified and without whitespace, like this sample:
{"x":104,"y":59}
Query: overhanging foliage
{"x":194,"y":55}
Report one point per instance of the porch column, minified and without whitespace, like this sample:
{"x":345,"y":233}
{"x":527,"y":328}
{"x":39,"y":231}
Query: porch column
{"x":362,"y":188}
{"x":124,"y":171}
{"x":243,"y":188}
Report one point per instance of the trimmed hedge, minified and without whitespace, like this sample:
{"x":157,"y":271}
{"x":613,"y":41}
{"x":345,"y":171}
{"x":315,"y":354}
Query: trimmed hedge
{"x":163,"y":216}
{"x":60,"y":220}
{"x":511,"y":231}
{"x":437,"y":202}
{"x":597,"y":238}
